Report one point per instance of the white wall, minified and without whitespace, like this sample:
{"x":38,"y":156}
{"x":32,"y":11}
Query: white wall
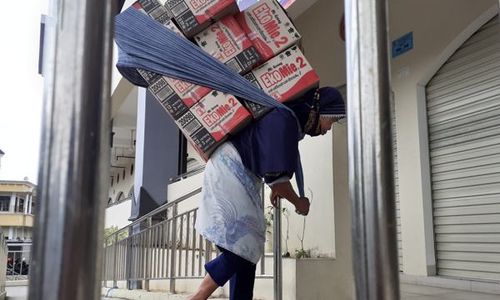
{"x":117,"y":215}
{"x":325,"y":51}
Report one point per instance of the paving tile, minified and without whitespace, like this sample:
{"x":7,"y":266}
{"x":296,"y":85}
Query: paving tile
{"x":422,"y":290}
{"x":472,"y":296}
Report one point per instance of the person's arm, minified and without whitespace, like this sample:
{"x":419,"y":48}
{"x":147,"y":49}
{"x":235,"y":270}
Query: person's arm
{"x":285,"y":190}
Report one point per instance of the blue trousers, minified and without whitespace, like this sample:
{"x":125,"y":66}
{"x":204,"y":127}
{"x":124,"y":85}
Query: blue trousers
{"x":241,"y":273}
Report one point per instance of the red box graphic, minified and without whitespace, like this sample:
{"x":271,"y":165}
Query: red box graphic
{"x":226,"y":41}
{"x":221,"y":114}
{"x":193,"y":16}
{"x":268,"y":27}
{"x":286,"y":76}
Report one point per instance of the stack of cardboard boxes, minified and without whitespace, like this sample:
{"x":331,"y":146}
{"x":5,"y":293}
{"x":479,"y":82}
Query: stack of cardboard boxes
{"x":259,"y":43}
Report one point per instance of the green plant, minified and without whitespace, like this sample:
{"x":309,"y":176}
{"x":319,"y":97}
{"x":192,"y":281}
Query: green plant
{"x":269,"y":216}
{"x":108,"y":232}
{"x":303,"y":253}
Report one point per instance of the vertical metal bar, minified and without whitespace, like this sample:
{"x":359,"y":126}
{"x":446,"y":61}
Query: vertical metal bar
{"x":370,"y":151}
{"x":74,"y":152}
{"x":118,"y":259}
{"x":263,"y":201}
{"x":200,"y":255}
{"x":153,"y":259}
{"x":207,"y":250}
{"x":141,"y":256}
{"x":278,"y":268}
{"x":194,"y":243}
{"x":104,"y":268}
{"x":115,"y":250}
{"x":152,"y":267}
{"x":188,"y":228}
{"x":159,"y":248}
{"x":162,"y":245}
{"x":181,"y":234}
{"x":129,"y":258}
{"x":168,"y":246}
{"x":173,"y":252}
{"x":149,"y":254}
{"x":135,"y":247}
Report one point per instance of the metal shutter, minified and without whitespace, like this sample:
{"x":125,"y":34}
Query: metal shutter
{"x":463,"y":107}
{"x":396,"y":181}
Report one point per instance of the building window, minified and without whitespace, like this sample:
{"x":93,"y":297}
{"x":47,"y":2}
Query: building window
{"x":20,"y":205}
{"x":117,"y":178}
{"x":120,"y":197}
{"x":4,"y":203}
{"x":123,"y":174}
{"x":131,"y":169}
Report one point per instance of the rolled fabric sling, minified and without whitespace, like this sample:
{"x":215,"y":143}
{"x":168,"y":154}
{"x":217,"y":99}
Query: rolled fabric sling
{"x":144,"y":43}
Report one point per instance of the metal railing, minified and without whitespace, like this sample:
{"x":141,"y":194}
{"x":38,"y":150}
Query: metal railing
{"x":164,"y":245}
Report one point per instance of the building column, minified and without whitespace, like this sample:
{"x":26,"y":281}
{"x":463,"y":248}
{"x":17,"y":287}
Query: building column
{"x":157,"y":154}
{"x":26,"y":203}
{"x":12,"y":204}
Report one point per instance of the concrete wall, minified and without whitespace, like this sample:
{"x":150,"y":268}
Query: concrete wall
{"x":117,"y":215}
{"x":324,"y":49}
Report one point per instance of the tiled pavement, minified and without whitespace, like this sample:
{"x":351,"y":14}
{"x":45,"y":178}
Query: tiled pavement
{"x":408,"y":292}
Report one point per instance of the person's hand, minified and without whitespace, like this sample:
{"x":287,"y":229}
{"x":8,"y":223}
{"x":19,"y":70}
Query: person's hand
{"x":274,"y":199}
{"x":302,"y":206}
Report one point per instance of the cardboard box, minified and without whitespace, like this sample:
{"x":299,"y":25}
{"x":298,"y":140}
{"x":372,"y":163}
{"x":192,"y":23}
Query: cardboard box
{"x":221,"y":114}
{"x":197,"y":135}
{"x":208,"y":123}
{"x":268,"y":27}
{"x":226,"y":41}
{"x":285,"y":77}
{"x":255,"y":109}
{"x":176,"y":96}
{"x":193,"y":16}
{"x":155,"y":9}
{"x":158,"y":12}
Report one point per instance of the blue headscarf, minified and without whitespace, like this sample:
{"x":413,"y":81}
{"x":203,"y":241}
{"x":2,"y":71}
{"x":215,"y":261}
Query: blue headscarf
{"x":322,"y":102}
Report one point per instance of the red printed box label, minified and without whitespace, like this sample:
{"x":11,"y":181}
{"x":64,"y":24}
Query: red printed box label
{"x":193,"y":16}
{"x":188,"y":92}
{"x":221,"y":114}
{"x":286,"y":76}
{"x":175,"y":96}
{"x":268,"y":27}
{"x":227,"y":42}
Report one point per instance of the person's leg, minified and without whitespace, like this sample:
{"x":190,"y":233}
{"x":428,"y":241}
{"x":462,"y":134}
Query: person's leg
{"x":242,"y":283}
{"x":206,"y":288}
{"x":219,"y":271}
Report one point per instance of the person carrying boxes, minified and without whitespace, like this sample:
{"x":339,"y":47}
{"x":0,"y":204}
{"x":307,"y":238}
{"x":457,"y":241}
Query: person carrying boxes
{"x":283,"y":102}
{"x":230,"y":214}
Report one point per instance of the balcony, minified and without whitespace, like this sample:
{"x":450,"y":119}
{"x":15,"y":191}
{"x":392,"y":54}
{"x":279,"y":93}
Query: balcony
{"x":16,"y":219}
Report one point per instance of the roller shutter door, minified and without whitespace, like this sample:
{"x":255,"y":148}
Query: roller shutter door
{"x":463,"y":107}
